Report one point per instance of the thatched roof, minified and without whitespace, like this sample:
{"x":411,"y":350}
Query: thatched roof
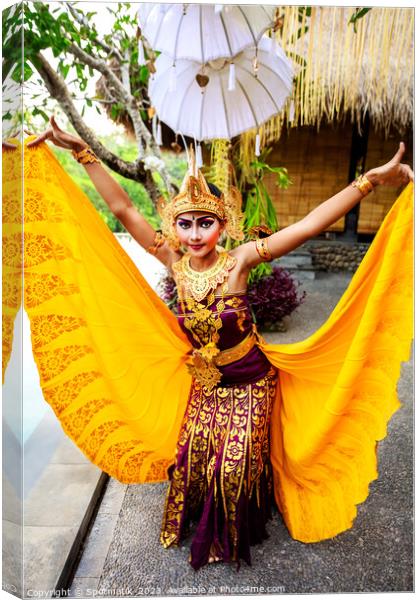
{"x":367,"y":69}
{"x":343,"y":71}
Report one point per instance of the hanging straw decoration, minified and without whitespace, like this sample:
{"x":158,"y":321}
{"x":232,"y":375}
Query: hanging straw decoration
{"x":341,"y":73}
{"x":219,"y":172}
{"x":291,"y":111}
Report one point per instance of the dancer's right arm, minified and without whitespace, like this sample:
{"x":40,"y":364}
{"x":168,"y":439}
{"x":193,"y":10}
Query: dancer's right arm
{"x":114,"y":195}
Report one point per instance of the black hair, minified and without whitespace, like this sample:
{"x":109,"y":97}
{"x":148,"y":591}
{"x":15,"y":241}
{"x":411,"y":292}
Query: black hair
{"x":214,"y":190}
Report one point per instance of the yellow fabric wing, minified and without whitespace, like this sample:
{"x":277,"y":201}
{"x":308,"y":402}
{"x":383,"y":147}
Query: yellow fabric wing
{"x":338,"y":387}
{"x":110,"y":354}
{"x":12,"y":249}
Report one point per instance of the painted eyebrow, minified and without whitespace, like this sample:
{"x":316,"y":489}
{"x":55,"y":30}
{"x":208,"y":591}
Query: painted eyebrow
{"x":198,"y":219}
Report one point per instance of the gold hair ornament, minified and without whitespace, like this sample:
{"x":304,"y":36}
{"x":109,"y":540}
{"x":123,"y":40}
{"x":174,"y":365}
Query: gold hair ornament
{"x":158,"y":241}
{"x":195,"y":195}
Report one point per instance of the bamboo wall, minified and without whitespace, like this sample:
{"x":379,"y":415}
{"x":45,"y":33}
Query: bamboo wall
{"x":318,"y":164}
{"x":376,"y":205}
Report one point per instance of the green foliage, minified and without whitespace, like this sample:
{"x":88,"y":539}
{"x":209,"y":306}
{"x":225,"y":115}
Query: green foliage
{"x":135,"y":190}
{"x":12,"y":22}
{"x":127,"y":151}
{"x":45,"y":27}
{"x":358,"y":14}
{"x":259,"y":208}
{"x":177,"y":165}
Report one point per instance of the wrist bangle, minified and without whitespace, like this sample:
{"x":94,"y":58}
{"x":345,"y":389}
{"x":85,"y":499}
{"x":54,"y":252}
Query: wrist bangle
{"x":86,"y":155}
{"x":261,"y":245}
{"x":363,"y":184}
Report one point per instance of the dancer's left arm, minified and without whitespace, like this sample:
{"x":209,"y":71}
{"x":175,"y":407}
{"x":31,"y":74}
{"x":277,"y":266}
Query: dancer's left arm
{"x":393,"y":173}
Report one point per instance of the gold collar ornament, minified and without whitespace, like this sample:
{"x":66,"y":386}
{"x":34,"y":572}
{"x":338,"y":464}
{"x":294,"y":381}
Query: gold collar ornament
{"x":195,"y":195}
{"x":196,"y":284}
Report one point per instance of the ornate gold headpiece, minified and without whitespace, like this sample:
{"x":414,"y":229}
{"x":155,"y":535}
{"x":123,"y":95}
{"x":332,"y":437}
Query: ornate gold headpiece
{"x":195,"y":194}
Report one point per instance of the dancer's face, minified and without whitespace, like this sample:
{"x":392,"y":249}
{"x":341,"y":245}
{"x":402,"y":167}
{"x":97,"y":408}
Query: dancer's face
{"x":198,"y":231}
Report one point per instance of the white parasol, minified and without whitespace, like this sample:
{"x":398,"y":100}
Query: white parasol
{"x":207,"y":105}
{"x":203,"y":32}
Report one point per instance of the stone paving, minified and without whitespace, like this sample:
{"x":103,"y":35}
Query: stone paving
{"x":123,"y":556}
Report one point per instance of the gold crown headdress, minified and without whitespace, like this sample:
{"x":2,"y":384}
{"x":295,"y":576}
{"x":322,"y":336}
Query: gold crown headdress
{"x":195,"y":194}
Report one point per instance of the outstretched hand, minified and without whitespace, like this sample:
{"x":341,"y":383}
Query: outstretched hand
{"x":393,"y":173}
{"x":7,"y":145}
{"x":58,"y":137}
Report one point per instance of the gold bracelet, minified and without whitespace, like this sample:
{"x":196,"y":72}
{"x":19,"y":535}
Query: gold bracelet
{"x":158,"y":241}
{"x":86,"y":155}
{"x":363,"y":184}
{"x":261,"y":245}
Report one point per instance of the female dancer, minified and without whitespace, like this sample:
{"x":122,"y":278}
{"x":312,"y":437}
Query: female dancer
{"x":245,"y":412}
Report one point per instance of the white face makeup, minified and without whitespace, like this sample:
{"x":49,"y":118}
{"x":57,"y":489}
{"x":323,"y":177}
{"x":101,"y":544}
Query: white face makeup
{"x":198,"y":231}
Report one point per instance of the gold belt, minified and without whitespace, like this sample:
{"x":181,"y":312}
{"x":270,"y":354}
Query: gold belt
{"x":236,"y":352}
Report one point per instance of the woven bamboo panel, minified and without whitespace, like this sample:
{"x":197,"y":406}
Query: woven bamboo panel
{"x":375,"y":206}
{"x":318,"y":165}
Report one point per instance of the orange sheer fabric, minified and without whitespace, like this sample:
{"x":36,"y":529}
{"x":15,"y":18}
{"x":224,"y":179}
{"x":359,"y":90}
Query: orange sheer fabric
{"x":111,"y":356}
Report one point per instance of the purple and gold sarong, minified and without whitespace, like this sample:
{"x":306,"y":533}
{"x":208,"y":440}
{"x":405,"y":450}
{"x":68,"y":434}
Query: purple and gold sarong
{"x":222,"y":476}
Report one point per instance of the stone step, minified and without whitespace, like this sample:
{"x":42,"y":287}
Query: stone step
{"x":301,"y":271}
{"x":296,"y":260}
{"x":299,"y":259}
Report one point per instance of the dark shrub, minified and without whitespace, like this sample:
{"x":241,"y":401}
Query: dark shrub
{"x":274,"y":297}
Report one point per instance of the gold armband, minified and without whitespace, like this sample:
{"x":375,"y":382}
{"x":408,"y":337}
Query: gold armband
{"x":262,"y":249}
{"x":86,"y":155}
{"x":363,"y":184}
{"x":158,"y":241}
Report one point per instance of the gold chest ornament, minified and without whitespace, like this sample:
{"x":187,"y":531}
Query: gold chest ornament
{"x":197,"y":285}
{"x":196,"y":292}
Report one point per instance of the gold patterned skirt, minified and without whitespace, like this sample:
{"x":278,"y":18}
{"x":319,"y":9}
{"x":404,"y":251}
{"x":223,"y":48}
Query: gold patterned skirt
{"x":222,"y":476}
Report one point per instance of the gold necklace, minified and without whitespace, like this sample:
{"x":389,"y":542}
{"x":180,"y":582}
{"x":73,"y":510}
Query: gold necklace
{"x":196,"y":284}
